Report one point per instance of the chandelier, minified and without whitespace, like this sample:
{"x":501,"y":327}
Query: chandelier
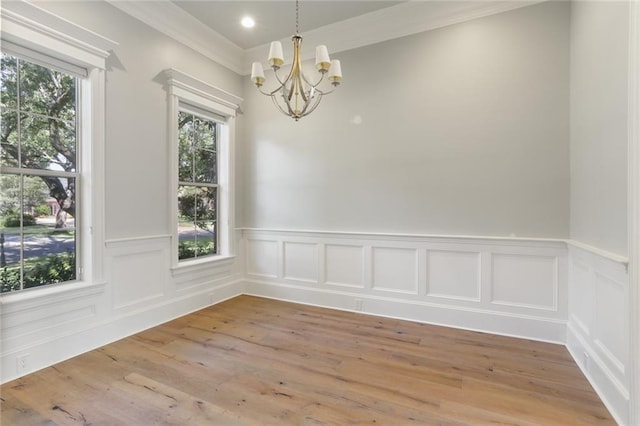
{"x":297,"y":96}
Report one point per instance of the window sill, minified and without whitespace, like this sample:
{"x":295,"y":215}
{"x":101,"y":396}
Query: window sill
{"x":214,"y":263}
{"x":49,"y":295}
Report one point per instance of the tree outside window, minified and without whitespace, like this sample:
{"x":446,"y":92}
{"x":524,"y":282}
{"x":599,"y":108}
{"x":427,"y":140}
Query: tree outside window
{"x":197,"y":186}
{"x":38,"y":161}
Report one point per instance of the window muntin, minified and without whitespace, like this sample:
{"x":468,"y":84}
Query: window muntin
{"x":39,"y":174}
{"x":197,"y":186}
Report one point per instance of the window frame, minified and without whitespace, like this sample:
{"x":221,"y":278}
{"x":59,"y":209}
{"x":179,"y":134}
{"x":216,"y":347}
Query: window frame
{"x":187,"y":109}
{"x":189,"y":91}
{"x":60,"y":43}
{"x":22,"y":54}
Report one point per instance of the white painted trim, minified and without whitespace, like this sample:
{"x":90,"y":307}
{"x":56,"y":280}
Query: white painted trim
{"x":612,"y":393}
{"x":393,"y":22}
{"x":123,"y":242}
{"x":28,"y":25}
{"x":171,"y":20}
{"x":633,"y":202}
{"x":459,"y":239}
{"x":603,"y":253}
{"x":413,"y":302}
{"x":95,"y":335}
{"x":548,"y":330}
{"x":49,"y":295}
{"x":182,"y":87}
{"x":591,"y":313}
{"x":389,"y":23}
{"x":197,"y":88}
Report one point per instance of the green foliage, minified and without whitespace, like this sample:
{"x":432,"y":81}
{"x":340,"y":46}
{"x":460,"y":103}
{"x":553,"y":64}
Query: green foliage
{"x":190,"y":249}
{"x":9,"y":279}
{"x":11,"y":219}
{"x":51,"y":269}
{"x":45,"y":111}
{"x":196,"y":149}
{"x":42,"y":210}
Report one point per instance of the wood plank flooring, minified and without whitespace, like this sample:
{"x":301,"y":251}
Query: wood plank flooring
{"x":254,"y":361}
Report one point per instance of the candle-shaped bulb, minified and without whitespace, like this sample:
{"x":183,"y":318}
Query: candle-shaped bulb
{"x":257,"y":74}
{"x":276,"y":58}
{"x":335,"y":72}
{"x":322,"y":58}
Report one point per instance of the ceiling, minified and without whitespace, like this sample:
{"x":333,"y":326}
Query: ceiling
{"x":274,"y":19}
{"x":212,"y":27}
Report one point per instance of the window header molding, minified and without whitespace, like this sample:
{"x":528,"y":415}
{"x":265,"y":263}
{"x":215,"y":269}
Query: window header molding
{"x":202,"y":94}
{"x":28,"y":25}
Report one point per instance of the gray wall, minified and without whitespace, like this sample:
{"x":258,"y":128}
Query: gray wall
{"x":461,"y":130}
{"x":599,"y":50}
{"x":137,"y":151}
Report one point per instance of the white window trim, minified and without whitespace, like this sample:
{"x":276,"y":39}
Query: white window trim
{"x":183,"y":88}
{"x":27,"y":25}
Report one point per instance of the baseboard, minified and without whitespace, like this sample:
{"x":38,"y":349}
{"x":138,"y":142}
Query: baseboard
{"x":47,"y":352}
{"x":598,"y":325}
{"x":612,"y":393}
{"x":501,"y":323}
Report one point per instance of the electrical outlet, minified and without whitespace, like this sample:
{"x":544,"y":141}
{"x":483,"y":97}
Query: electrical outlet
{"x":358,"y":304}
{"x":22,"y":364}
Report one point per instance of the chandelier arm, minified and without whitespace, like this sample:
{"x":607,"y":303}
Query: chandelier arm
{"x":313,"y":107}
{"x":286,"y":80}
{"x":267,"y":93}
{"x":301,"y":89}
{"x":275,"y":102}
{"x":316,"y":84}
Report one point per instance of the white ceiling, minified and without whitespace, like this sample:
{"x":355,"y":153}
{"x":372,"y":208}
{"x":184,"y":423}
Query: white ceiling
{"x":274,"y":19}
{"x":212,"y":27}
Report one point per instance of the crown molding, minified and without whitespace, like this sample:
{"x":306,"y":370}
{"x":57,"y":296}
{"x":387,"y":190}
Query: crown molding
{"x":28,"y":25}
{"x":375,"y":27}
{"x":174,"y":22}
{"x":387,"y":24}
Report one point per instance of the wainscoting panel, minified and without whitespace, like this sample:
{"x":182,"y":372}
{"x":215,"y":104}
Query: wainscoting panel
{"x":395,"y":269}
{"x":507,"y":286}
{"x":344,"y":265}
{"x":137,"y":279}
{"x":598,"y":327}
{"x":301,"y":261}
{"x":525,"y":280}
{"x":454,"y":275}
{"x":262,"y":258}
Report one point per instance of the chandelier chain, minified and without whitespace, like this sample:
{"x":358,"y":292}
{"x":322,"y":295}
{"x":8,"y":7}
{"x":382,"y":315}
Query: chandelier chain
{"x":297,"y":18}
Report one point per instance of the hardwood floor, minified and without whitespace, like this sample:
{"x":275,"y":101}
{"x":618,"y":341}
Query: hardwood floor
{"x":258,"y":361}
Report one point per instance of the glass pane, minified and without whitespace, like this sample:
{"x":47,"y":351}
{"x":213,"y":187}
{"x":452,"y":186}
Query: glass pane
{"x":8,"y":81}
{"x":10,"y":236}
{"x":206,"y":169}
{"x":206,"y":238}
{"x":49,"y":230}
{"x":48,"y":143}
{"x":47,"y":92}
{"x":9,"y":142}
{"x":185,"y":156}
{"x":204,"y":151}
{"x":197,"y":215}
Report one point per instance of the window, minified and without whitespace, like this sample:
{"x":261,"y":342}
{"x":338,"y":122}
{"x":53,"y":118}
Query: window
{"x":197,"y":186}
{"x":39,"y":165}
{"x":202,"y":128}
{"x":52,"y":84}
